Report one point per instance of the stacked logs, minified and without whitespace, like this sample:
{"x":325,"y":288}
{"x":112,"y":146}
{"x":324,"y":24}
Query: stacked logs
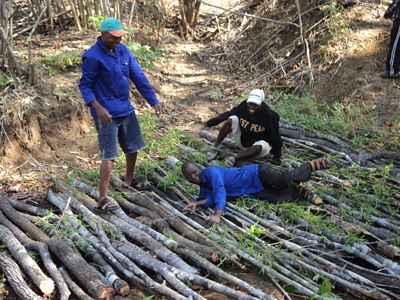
{"x":94,"y":256}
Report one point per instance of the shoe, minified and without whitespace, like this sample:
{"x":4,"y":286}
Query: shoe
{"x":106,"y":207}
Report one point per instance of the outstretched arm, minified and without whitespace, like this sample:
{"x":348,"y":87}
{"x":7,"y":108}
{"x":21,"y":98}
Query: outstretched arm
{"x":223,"y":117}
{"x":219,"y":196}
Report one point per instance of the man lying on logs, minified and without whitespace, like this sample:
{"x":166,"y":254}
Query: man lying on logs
{"x":217,"y":184}
{"x":253,"y":125}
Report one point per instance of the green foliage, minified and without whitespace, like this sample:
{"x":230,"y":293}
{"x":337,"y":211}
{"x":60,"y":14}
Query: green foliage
{"x":325,"y":287}
{"x":352,"y":238}
{"x":4,"y":80}
{"x":92,"y":176}
{"x":145,"y":54}
{"x":95,"y":21}
{"x":337,"y":25}
{"x":256,"y":231}
{"x":59,"y":228}
{"x":62,"y":61}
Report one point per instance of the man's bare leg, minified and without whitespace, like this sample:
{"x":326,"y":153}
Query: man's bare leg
{"x":105,"y":176}
{"x":130,"y":167}
{"x":225,"y":130}
{"x":249,"y":153}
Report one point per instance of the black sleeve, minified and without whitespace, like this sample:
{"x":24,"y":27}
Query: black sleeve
{"x":274,"y":136}
{"x":224,"y":116}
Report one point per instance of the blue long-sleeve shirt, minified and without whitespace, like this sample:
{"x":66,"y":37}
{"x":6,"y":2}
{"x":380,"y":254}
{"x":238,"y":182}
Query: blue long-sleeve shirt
{"x":106,"y":76}
{"x":218,"y":183}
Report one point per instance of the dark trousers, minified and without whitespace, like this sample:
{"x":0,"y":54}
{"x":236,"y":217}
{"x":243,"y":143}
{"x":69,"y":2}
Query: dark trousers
{"x":282,"y":185}
{"x":393,"y":56}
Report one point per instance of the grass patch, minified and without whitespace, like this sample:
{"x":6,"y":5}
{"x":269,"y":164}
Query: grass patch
{"x":353,"y":121}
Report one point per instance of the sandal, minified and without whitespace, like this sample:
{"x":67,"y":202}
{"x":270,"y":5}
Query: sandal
{"x":140,"y":186}
{"x":107,"y":207}
{"x":319,"y":164}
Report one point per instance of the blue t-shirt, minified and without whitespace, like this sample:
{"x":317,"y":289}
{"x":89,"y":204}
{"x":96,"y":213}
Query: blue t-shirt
{"x":106,"y":76}
{"x":218,"y":183}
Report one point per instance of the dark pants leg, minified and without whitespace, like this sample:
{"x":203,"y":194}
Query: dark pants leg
{"x":393,"y":56}
{"x":282,"y":185}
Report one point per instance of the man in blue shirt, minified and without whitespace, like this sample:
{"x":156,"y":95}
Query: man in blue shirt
{"x":217,"y":184}
{"x":107,"y":69}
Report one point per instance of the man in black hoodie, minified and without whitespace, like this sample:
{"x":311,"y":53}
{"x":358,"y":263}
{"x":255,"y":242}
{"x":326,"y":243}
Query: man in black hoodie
{"x":392,"y":69}
{"x":253,"y":125}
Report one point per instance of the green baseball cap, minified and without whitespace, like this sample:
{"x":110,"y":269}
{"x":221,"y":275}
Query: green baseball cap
{"x":113,"y":26}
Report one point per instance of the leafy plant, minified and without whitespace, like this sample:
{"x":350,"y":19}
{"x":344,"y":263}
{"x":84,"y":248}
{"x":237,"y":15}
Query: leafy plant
{"x":4,"y":80}
{"x":256,"y":231}
{"x":95,"y":21}
{"x":352,"y":238}
{"x":63,"y":61}
{"x":337,"y":24}
{"x":145,"y":54}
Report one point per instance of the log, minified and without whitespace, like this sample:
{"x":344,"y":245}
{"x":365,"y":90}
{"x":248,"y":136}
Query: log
{"x":76,"y":290}
{"x":44,"y":253}
{"x":16,"y":279}
{"x":30,"y":229}
{"x":30,"y":267}
{"x":24,"y":207}
{"x":119,"y":285}
{"x":80,"y":269}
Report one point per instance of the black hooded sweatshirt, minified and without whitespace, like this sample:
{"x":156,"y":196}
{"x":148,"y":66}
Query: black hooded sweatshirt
{"x":263,"y":125}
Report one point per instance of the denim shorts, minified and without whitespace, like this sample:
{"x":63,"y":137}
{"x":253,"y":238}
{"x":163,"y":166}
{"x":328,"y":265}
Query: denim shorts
{"x":124,"y":131}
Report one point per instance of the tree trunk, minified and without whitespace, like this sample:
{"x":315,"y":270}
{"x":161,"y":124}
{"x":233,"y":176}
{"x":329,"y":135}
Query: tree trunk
{"x":80,"y":269}
{"x":15,"y":278}
{"x":189,"y":10}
